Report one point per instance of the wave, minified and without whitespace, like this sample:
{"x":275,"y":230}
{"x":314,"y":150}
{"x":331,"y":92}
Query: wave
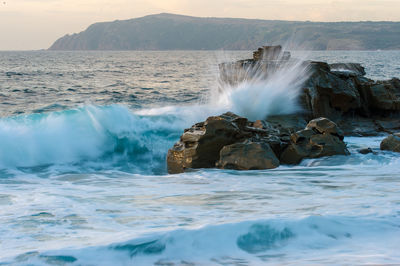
{"x":252,"y":92}
{"x":311,"y":240}
{"x":115,"y":137}
{"x":89,"y":135}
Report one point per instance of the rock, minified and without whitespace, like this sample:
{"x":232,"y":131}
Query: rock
{"x":321,"y":137}
{"x":229,"y":141}
{"x":269,"y":53}
{"x":347,"y":69}
{"x":366,"y":151}
{"x":286,"y":124}
{"x":328,"y":95}
{"x":247,"y":156}
{"x":199,"y":145}
{"x":384,"y":95}
{"x":339,"y":92}
{"x":323,"y":125}
{"x":391,"y":143}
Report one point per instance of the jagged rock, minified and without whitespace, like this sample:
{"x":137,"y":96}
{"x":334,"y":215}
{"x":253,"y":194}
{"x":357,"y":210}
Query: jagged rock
{"x":229,"y":141}
{"x":321,"y":137}
{"x":270,"y":53}
{"x":199,"y":145}
{"x":247,"y":156}
{"x":339,"y":91}
{"x":323,"y":125}
{"x":328,"y":95}
{"x":266,"y":60}
{"x":391,"y":143}
{"x":227,"y":137}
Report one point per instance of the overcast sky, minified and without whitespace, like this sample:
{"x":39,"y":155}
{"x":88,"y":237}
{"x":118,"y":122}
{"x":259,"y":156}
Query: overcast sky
{"x":36,"y":24}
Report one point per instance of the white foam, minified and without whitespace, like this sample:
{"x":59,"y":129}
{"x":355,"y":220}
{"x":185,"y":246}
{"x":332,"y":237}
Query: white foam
{"x":258,"y":95}
{"x":312,"y":240}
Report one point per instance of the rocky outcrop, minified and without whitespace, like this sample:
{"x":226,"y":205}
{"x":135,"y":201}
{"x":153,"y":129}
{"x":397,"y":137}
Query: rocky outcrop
{"x":337,"y":91}
{"x":328,"y":94}
{"x":229,"y":141}
{"x":199,"y":145}
{"x":391,"y":143}
{"x":320,"y":138}
{"x":332,"y":92}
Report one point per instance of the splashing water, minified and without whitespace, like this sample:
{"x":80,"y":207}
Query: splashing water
{"x":261,"y":89}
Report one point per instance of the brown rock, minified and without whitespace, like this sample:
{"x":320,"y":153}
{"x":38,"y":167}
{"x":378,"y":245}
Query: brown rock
{"x":323,"y":125}
{"x":199,"y":145}
{"x":247,"y":156}
{"x":391,"y":143}
{"x":321,"y":137}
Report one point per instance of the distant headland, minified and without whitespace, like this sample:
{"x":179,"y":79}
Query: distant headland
{"x":177,"y":32}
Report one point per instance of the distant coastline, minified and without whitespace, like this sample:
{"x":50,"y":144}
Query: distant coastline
{"x":177,"y":32}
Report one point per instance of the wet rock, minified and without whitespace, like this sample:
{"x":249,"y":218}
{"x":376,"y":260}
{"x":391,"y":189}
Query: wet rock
{"x":337,"y":91}
{"x":391,"y":143}
{"x":270,"y":53}
{"x":384,"y":95}
{"x":229,"y":141}
{"x":199,"y":146}
{"x":328,"y":95}
{"x":347,"y":69}
{"x":323,"y":125}
{"x":321,"y":137}
{"x":366,"y":151}
{"x":286,"y":124}
{"x":247,"y":156}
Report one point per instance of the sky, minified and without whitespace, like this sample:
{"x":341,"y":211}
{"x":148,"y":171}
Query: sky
{"x":36,"y":24}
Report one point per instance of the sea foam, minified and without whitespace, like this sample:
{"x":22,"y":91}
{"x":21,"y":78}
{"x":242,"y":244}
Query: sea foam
{"x":257,"y":95}
{"x":311,"y":240}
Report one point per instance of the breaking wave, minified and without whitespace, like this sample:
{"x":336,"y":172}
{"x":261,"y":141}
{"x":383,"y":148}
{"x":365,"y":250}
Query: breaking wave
{"x":91,"y":134}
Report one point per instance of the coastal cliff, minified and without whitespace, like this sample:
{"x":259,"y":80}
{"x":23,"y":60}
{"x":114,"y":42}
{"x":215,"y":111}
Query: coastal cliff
{"x":177,"y":32}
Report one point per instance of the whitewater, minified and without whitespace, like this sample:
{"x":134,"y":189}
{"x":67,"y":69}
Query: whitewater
{"x":83,"y":180}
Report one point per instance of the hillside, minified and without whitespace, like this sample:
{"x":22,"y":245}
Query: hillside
{"x":177,"y":32}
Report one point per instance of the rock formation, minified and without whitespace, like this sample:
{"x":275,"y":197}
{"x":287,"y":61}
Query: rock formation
{"x":331,"y":93}
{"x":320,"y":138}
{"x":229,"y":141}
{"x":199,"y":145}
{"x":340,"y":91}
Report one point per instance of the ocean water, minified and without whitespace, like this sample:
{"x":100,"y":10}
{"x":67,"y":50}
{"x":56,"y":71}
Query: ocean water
{"x":83,"y":180}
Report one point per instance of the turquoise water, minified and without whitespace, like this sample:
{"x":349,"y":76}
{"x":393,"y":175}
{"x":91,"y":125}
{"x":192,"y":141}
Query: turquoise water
{"x":83,"y":175}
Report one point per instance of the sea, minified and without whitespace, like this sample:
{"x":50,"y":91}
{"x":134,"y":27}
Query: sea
{"x":83,"y":176}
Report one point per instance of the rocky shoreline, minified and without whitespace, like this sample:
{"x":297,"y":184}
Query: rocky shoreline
{"x":337,"y":100}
